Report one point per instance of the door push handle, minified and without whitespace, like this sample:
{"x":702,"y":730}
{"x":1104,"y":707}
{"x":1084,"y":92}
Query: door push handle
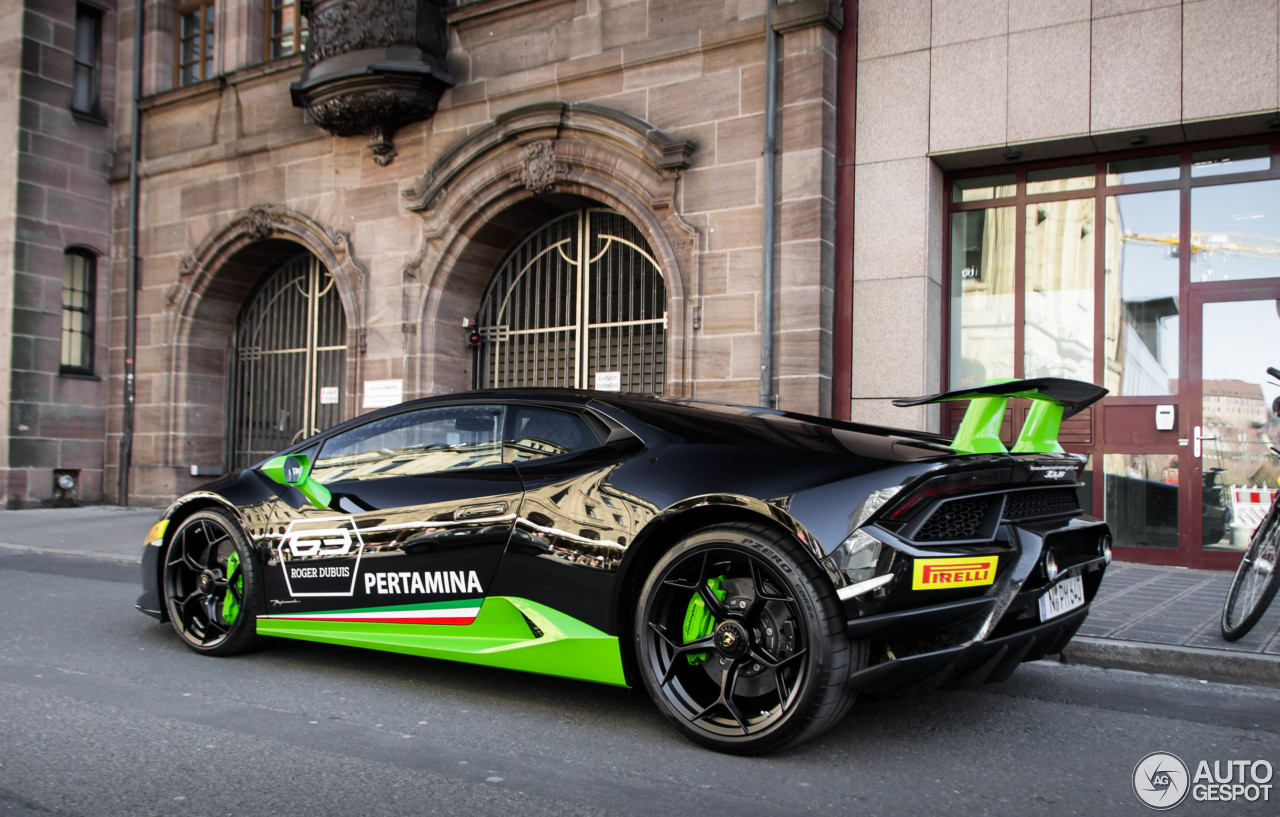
{"x":476,"y":511}
{"x":1196,"y":438}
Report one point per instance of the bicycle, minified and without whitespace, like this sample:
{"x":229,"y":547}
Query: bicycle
{"x":1257,"y":579}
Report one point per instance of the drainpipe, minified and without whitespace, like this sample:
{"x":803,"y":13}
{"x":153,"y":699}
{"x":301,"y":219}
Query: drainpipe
{"x":846,"y":111}
{"x":767,"y":395}
{"x":131,"y":295}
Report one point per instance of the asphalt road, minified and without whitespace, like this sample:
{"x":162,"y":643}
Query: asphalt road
{"x":104,"y":712}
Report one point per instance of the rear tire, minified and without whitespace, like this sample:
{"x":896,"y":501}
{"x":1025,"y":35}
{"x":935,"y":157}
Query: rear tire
{"x":1256,"y":580}
{"x":740,"y":641}
{"x":211,"y":584}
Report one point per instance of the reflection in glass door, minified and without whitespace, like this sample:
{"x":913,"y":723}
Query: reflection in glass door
{"x":1237,"y":425}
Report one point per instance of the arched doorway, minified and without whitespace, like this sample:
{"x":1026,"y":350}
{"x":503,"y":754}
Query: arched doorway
{"x":579,"y":297}
{"x":289,"y":360}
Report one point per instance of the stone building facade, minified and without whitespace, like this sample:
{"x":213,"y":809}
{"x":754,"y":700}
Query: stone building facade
{"x":963,"y":189}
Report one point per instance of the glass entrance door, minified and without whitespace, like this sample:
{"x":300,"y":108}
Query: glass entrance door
{"x":1231,"y":466}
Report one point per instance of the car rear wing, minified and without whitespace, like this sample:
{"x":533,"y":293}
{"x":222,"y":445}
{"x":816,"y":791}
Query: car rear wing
{"x":1054,"y":400}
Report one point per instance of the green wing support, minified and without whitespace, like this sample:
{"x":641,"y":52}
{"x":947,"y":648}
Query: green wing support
{"x":1054,"y":398}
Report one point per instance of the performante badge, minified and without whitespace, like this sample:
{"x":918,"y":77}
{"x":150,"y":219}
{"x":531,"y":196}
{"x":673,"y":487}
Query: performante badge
{"x":947,"y":574}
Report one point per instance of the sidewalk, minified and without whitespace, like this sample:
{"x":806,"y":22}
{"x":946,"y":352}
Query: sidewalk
{"x":1145,"y":618}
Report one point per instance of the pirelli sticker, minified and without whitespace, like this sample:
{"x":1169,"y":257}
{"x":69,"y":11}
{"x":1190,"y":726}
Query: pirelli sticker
{"x":946,"y":574}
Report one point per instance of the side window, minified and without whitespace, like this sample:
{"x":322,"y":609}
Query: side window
{"x":541,"y":432}
{"x":415,"y":442}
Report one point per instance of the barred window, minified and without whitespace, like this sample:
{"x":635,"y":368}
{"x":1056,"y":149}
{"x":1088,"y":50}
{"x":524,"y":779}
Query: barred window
{"x":194,"y":43}
{"x":78,"y":281}
{"x":286,"y":30}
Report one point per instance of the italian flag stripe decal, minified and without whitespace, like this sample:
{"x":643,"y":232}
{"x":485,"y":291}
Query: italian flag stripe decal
{"x":448,"y":612}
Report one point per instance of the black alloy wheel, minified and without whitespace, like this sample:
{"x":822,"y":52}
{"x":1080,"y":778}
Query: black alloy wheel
{"x":740,"y":641}
{"x":1256,"y":580}
{"x":211,"y":584}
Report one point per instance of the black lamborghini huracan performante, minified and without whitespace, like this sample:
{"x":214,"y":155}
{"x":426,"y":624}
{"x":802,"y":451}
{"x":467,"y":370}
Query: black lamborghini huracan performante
{"x":753,"y":569}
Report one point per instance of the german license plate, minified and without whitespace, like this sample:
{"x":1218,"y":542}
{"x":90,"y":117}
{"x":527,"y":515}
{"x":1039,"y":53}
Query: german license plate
{"x":1067,"y":594}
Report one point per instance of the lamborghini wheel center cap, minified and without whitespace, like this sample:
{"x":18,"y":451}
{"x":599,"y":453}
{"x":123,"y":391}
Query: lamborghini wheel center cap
{"x":731,"y":640}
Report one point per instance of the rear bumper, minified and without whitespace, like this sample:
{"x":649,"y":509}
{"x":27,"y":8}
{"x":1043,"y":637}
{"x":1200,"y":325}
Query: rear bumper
{"x":971,"y":664}
{"x":980,"y":634}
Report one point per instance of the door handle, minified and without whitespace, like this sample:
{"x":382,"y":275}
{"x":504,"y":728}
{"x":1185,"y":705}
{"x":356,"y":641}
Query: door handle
{"x":477,"y":511}
{"x":1196,"y":438}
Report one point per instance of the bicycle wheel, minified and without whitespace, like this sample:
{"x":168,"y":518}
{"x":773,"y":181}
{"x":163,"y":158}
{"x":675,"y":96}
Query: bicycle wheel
{"x":1256,"y":579}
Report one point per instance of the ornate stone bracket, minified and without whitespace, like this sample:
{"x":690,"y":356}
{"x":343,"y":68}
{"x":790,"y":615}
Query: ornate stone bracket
{"x":373,"y":67}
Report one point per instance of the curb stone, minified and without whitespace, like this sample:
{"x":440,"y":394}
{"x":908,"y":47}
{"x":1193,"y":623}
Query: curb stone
{"x":1219,"y":666}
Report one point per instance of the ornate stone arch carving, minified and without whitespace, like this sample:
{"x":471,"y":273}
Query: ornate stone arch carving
{"x":576,"y":149}
{"x":260,"y":222}
{"x":201,"y":306}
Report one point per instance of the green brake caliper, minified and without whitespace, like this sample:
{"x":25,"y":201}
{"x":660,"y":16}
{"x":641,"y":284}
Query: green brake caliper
{"x":698,"y":621}
{"x":231,"y":610}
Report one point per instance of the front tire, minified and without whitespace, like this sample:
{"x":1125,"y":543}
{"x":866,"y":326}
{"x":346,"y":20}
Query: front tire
{"x":211,"y":584}
{"x":1256,"y":580}
{"x":740,"y":641}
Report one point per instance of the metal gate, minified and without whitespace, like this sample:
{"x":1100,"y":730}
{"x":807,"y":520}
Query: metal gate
{"x":582,"y":295}
{"x":289,"y":361}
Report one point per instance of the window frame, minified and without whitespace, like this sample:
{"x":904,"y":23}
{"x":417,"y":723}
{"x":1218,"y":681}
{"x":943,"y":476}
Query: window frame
{"x":204,"y":62}
{"x":94,"y":16}
{"x":87,"y":334}
{"x":296,"y":39}
{"x":1184,"y":183}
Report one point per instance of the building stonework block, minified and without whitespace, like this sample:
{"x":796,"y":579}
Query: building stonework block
{"x":734,"y":229}
{"x":752,"y":90}
{"x":700,"y":100}
{"x":802,"y":77}
{"x":205,"y":198}
{"x":890,"y":226}
{"x":893,"y":108}
{"x":68,"y":208}
{"x":741,"y":139}
{"x":745,"y":361}
{"x":1136,"y":69}
{"x":37,"y":324}
{"x":722,"y":186}
{"x":666,"y":72}
{"x":1111,"y":8}
{"x":891,"y":337}
{"x":737,"y":392}
{"x":736,"y":56}
{"x":803,"y":126}
{"x":1025,"y":15}
{"x":968,"y":95}
{"x":729,"y":314}
{"x":623,"y":22}
{"x":82,"y":454}
{"x":887,"y":27}
{"x":745,"y":270}
{"x":1061,"y":52}
{"x":31,"y":452}
{"x":805,"y":174}
{"x":804,"y":219}
{"x":956,"y":21}
{"x":670,"y":17}
{"x":1229,"y":57}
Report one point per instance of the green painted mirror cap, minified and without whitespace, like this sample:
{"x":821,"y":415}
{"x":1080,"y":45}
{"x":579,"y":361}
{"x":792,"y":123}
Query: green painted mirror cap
{"x":295,"y":470}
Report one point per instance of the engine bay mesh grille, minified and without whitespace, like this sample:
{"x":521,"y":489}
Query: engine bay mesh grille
{"x":956,"y":519}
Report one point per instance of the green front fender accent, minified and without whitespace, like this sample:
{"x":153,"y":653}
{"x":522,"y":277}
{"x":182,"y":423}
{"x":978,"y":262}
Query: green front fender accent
{"x":500,"y":636}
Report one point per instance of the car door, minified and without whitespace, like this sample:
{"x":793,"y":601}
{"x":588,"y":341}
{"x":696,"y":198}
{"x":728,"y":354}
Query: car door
{"x":574,"y":525}
{"x":421,"y":508}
